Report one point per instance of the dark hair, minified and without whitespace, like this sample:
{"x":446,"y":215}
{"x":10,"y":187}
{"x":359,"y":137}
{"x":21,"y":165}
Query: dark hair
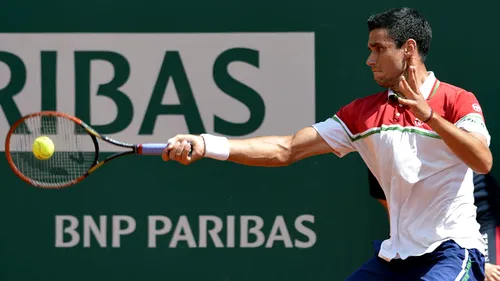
{"x":403,"y":24}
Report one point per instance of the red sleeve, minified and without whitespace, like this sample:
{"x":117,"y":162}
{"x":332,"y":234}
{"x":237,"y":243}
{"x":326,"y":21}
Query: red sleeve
{"x":464,"y":104}
{"x":466,"y":114}
{"x":347,"y":115}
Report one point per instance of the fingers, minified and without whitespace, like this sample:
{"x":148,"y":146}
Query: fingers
{"x":412,"y":78}
{"x":189,"y":138}
{"x":165,"y":154}
{"x":405,"y":89}
{"x":403,"y":85}
{"x":178,"y":149}
{"x":492,"y":272}
{"x":408,"y":98}
{"x":410,"y":86}
{"x":496,"y":273}
{"x":186,"y":151}
{"x":407,"y":102}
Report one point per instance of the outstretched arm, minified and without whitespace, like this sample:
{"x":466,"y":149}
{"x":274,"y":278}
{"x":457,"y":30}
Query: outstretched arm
{"x":270,"y":151}
{"x":278,"y":151}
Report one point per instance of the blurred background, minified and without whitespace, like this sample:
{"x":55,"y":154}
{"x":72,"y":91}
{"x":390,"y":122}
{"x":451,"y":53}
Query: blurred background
{"x":145,"y":71}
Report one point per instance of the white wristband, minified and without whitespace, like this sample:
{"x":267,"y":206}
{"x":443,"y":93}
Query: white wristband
{"x":216,"y":147}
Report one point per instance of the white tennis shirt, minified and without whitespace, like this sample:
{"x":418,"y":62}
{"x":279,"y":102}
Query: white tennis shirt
{"x":429,"y":190}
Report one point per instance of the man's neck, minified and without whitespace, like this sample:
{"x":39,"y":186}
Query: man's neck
{"x":422,"y":74}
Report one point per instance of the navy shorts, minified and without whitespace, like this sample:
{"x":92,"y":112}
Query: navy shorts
{"x":449,"y":262}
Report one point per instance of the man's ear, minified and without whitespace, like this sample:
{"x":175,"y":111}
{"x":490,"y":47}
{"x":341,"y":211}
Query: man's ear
{"x":410,"y":48}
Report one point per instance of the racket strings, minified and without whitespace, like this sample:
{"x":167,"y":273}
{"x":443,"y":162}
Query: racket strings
{"x":74,"y":150}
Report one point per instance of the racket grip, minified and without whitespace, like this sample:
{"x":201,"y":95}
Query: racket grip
{"x":151,"y":148}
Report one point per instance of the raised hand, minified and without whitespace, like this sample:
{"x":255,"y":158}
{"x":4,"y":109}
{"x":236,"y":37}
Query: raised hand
{"x":412,"y":96}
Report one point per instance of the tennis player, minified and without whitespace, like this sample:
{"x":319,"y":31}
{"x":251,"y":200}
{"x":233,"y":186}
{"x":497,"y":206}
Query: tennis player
{"x":420,"y":137}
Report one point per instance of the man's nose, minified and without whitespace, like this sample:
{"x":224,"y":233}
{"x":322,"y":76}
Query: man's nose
{"x":370,"y":61}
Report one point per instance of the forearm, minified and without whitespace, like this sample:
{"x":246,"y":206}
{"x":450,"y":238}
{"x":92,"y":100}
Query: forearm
{"x":269,"y":151}
{"x":468,"y":148}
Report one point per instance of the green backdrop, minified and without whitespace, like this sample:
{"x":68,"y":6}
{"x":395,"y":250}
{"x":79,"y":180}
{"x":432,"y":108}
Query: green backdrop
{"x":333,"y":191}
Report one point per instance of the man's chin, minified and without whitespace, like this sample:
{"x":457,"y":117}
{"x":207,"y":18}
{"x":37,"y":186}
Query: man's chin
{"x":386,"y":83}
{"x":383,"y":84}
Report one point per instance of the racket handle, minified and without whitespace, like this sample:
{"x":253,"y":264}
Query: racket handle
{"x":151,"y":148}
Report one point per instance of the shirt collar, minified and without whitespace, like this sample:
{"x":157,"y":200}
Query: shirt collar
{"x":425,"y":88}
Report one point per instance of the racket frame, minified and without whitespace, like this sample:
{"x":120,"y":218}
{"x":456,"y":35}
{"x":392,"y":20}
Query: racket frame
{"x":134,"y":148}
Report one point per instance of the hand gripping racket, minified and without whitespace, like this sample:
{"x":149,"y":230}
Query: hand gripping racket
{"x":76,"y":153}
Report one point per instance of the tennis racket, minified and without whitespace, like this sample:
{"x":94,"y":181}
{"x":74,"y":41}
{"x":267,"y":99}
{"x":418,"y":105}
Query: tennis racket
{"x":76,"y":153}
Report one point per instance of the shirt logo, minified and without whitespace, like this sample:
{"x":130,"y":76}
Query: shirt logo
{"x":418,"y":123}
{"x":476,"y":107}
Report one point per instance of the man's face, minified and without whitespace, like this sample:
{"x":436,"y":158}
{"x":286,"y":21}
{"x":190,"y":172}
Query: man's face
{"x":385,"y":60}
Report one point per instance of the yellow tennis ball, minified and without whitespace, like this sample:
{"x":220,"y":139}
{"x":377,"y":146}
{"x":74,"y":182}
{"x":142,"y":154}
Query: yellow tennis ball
{"x":43,"y":148}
